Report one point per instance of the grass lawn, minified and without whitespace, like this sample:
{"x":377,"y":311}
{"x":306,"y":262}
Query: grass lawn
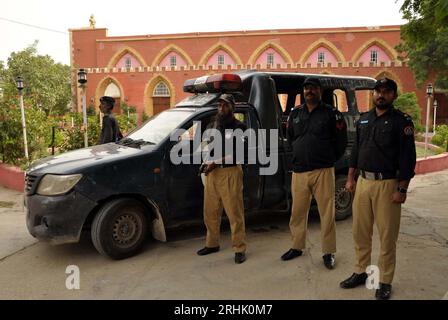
{"x":421,"y":152}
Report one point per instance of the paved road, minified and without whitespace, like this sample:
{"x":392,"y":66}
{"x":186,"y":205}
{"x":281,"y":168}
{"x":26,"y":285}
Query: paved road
{"x":35,"y":270}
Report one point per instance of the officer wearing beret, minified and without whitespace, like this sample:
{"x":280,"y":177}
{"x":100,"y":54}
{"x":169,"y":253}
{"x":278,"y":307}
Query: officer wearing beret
{"x":223,"y":187}
{"x":318,"y":135}
{"x":384,"y":156}
{"x":110,"y":131}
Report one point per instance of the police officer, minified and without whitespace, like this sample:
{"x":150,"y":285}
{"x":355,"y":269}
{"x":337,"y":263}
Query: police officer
{"x":318,"y":134}
{"x":384,"y":155}
{"x":110,"y":131}
{"x":224,"y":186}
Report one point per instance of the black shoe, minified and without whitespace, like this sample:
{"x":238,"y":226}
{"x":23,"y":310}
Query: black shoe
{"x":384,"y":292}
{"x":355,"y":280}
{"x":291,"y":254}
{"x":240,"y":257}
{"x":329,"y":260}
{"x":206,"y":250}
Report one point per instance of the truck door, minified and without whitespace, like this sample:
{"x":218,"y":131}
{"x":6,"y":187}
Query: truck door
{"x":253,"y":182}
{"x":185,"y":190}
{"x":345,"y":102}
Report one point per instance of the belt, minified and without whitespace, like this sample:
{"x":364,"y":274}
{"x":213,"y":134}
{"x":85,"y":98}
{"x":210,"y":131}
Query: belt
{"x":377,"y":175}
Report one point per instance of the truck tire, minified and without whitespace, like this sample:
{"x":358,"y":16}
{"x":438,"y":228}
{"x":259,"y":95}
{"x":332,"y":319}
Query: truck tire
{"x":119,"y":228}
{"x":343,"y":199}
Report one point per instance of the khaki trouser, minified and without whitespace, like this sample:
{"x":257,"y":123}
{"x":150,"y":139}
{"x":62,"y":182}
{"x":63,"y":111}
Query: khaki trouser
{"x":373,"y":202}
{"x":320,"y":184}
{"x":224,"y":189}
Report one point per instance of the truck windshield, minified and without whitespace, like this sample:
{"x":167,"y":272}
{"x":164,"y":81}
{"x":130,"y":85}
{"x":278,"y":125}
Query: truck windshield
{"x":160,"y":126}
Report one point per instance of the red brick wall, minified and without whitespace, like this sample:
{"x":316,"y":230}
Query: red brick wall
{"x":92,"y":49}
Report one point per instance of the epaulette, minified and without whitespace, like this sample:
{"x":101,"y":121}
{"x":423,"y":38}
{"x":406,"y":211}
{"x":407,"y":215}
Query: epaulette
{"x":404,"y":114}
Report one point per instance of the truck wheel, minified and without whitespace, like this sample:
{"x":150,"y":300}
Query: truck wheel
{"x":343,"y":198}
{"x":119,"y":228}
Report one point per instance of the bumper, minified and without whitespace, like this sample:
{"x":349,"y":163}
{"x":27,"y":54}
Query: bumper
{"x":57,"y":219}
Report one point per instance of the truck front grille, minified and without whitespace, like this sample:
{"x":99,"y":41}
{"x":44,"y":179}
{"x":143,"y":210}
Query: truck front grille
{"x":30,"y":184}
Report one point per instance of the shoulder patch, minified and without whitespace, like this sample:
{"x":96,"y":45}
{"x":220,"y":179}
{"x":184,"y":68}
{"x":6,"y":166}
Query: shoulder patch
{"x":409,"y":130}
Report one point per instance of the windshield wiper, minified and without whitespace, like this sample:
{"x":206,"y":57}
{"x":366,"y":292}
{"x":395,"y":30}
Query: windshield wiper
{"x":129,"y":142}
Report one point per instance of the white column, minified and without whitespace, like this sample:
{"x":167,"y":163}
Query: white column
{"x":427,"y":123}
{"x":22,"y":110}
{"x":84,"y":115}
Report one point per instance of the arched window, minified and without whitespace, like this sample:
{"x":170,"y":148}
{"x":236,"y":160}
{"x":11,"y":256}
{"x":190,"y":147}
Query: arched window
{"x":270,"y":59}
{"x":220,"y":59}
{"x":128,"y":62}
{"x":321,"y":57}
{"x":173,"y":60}
{"x":161,"y":90}
{"x":270,"y":56}
{"x":374,"y":54}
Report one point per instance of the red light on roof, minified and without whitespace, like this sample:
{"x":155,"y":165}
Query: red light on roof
{"x":225,"y":82}
{"x":217,"y":83}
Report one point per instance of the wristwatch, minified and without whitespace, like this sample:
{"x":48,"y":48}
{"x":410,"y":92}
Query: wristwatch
{"x":402,"y":190}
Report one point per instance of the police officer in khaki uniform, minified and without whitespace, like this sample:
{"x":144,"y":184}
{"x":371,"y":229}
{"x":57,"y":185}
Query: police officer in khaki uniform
{"x":384,"y":156}
{"x":224,"y":186}
{"x":318,"y":135}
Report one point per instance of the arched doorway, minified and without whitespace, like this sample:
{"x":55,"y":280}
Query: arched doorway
{"x":161,"y":97}
{"x":112,"y":90}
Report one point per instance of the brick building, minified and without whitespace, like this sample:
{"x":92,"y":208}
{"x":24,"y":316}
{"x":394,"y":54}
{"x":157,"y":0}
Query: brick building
{"x":148,"y":71}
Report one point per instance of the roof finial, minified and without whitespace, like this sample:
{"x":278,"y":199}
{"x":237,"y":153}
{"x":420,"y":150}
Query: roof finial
{"x":92,"y":21}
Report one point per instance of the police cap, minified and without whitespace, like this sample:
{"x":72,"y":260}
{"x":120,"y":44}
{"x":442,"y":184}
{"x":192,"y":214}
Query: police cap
{"x":386,"y":83}
{"x":312,"y":81}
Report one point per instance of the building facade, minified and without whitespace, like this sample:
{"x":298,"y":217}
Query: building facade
{"x":148,"y":71}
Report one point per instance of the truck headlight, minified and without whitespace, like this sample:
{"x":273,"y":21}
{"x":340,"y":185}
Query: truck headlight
{"x":52,"y":185}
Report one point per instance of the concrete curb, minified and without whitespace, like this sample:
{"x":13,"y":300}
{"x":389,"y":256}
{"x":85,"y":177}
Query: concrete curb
{"x":431,"y":164}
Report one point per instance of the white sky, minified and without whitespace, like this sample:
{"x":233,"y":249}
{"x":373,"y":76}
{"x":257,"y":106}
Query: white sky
{"x":136,"y":17}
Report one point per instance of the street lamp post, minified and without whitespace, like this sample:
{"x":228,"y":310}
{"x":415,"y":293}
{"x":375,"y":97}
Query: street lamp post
{"x":82,"y":80}
{"x":429,"y":90}
{"x":19,"y":84}
{"x":435,"y":113}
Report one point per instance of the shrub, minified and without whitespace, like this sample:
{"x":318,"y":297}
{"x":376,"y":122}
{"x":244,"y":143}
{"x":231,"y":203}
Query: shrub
{"x":73,"y":133}
{"x":441,"y":136}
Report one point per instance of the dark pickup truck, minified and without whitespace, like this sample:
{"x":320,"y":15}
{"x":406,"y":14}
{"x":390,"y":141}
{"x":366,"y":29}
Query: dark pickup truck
{"x":124,"y":191}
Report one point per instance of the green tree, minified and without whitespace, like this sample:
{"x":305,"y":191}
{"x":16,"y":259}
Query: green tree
{"x":424,"y":39}
{"x":46,"y":83}
{"x":46,"y":95}
{"x":408,"y":103}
